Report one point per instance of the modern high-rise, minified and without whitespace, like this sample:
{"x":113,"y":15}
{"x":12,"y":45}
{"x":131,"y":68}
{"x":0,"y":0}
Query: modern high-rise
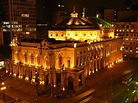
{"x":1,"y":35}
{"x":19,"y":18}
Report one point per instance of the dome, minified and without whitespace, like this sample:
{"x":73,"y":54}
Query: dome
{"x":74,"y":22}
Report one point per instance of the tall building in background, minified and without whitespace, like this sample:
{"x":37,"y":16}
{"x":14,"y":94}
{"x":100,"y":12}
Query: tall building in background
{"x":60,"y":13}
{"x":18,"y":18}
{"x":1,"y":35}
{"x":125,"y":20}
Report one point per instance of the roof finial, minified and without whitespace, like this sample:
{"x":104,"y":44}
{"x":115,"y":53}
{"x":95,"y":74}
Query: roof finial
{"x":73,"y":8}
{"x":83,"y":12}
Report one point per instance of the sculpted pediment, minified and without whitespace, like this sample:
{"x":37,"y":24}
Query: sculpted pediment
{"x":44,"y":45}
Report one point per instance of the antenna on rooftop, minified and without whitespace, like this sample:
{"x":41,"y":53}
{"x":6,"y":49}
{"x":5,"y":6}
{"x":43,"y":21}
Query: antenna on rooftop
{"x":73,"y":8}
{"x":83,"y":12}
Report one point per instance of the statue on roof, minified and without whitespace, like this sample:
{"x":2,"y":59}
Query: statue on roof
{"x":44,"y":45}
{"x":14,"y":42}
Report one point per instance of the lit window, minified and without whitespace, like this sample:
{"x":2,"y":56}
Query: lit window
{"x":126,"y":38}
{"x":132,"y":30}
{"x":136,"y":49}
{"x":126,"y":49}
{"x":131,"y":39}
{"x":27,"y":32}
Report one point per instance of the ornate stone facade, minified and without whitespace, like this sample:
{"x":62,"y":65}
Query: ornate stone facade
{"x":69,"y":62}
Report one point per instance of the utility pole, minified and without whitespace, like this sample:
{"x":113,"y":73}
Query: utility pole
{"x":37,"y":82}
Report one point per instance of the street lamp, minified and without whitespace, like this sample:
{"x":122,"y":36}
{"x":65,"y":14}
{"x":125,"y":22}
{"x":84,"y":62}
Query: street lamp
{"x":36,"y":82}
{"x":134,"y":91}
{"x":3,"y":87}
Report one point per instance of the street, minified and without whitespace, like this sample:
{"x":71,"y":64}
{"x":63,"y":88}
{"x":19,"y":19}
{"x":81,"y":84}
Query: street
{"x":108,"y":83}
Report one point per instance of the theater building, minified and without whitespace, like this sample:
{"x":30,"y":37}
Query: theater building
{"x":76,"y":48}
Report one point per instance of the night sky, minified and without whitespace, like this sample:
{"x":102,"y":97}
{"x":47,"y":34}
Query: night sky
{"x":92,"y":5}
{"x":45,"y":8}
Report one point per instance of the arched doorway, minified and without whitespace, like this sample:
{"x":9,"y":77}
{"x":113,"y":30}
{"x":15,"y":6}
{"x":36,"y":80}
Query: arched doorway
{"x":70,"y":82}
{"x":58,"y":79}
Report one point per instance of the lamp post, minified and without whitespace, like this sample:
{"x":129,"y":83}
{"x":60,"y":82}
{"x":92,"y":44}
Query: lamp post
{"x":134,"y":91}
{"x":3,"y":87}
{"x":36,"y":82}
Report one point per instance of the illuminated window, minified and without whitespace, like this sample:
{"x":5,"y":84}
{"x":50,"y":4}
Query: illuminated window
{"x":130,"y":49}
{"x":132,"y":30}
{"x":126,"y":38}
{"x":27,"y":32}
{"x":136,"y":49}
{"x":131,"y":39}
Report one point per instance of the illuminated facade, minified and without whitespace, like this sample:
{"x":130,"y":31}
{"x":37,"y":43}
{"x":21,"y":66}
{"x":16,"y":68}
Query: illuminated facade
{"x":76,"y":48}
{"x":19,"y":17}
{"x":129,"y":32}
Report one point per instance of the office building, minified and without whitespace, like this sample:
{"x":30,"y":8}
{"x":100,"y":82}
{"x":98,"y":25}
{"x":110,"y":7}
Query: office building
{"x":18,"y":18}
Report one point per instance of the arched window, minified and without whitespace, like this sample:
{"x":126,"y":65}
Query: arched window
{"x":32,"y":59}
{"x":68,"y":63}
{"x":38,"y":60}
{"x":76,"y":34}
{"x":84,"y":34}
{"x":46,"y":61}
{"x":25,"y":58}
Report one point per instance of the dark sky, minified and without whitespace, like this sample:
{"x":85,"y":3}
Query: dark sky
{"x":92,"y":5}
{"x":45,"y":8}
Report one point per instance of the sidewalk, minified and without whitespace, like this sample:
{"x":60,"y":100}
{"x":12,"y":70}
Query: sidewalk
{"x":19,"y":88}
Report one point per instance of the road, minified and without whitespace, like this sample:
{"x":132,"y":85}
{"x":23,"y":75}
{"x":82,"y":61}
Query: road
{"x":108,"y":84}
